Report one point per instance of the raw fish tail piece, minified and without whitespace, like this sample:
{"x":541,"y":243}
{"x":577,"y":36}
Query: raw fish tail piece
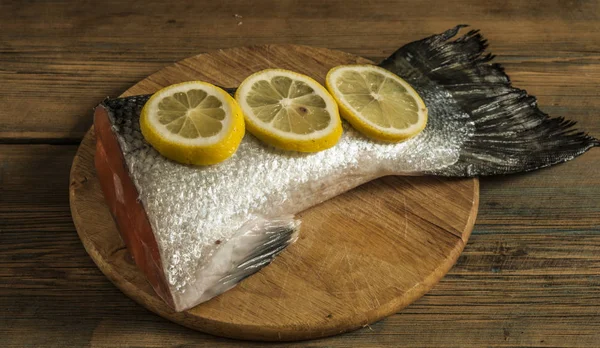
{"x":196,"y":231}
{"x":507,"y":132}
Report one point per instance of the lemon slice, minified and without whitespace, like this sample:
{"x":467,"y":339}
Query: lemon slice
{"x":193,"y":123}
{"x":290,"y":111}
{"x":377,"y":102}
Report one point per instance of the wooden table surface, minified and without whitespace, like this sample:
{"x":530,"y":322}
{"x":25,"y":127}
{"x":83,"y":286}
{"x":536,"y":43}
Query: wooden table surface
{"x":529,"y":276}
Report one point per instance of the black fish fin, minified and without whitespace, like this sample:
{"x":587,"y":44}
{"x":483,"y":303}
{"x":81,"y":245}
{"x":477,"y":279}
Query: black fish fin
{"x":262,"y":243}
{"x":511,"y":134}
{"x":254,"y":247}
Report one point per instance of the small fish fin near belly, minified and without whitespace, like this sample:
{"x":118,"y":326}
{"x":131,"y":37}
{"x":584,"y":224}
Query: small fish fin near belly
{"x":510,"y":134}
{"x":254,"y":246}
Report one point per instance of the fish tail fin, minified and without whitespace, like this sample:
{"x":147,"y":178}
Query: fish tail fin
{"x":511,"y":134}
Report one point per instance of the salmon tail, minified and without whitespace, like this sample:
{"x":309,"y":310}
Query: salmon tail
{"x":510,"y":133}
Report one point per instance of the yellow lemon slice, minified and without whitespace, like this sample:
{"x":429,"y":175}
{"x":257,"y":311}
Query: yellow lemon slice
{"x":377,"y":102}
{"x":290,"y":111}
{"x":193,"y":123}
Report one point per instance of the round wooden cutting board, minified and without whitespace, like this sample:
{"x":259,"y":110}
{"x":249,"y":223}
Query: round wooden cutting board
{"x":360,"y":257}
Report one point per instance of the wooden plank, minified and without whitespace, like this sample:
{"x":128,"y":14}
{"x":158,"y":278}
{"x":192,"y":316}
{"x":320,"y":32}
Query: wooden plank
{"x":529,"y":276}
{"x":60,"y":59}
{"x":561,"y":199}
{"x":398,"y":331}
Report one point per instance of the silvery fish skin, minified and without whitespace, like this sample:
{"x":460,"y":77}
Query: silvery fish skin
{"x":189,"y":207}
{"x":248,"y":202}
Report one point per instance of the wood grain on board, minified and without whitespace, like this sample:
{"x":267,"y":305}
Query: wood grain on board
{"x":529,"y":276}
